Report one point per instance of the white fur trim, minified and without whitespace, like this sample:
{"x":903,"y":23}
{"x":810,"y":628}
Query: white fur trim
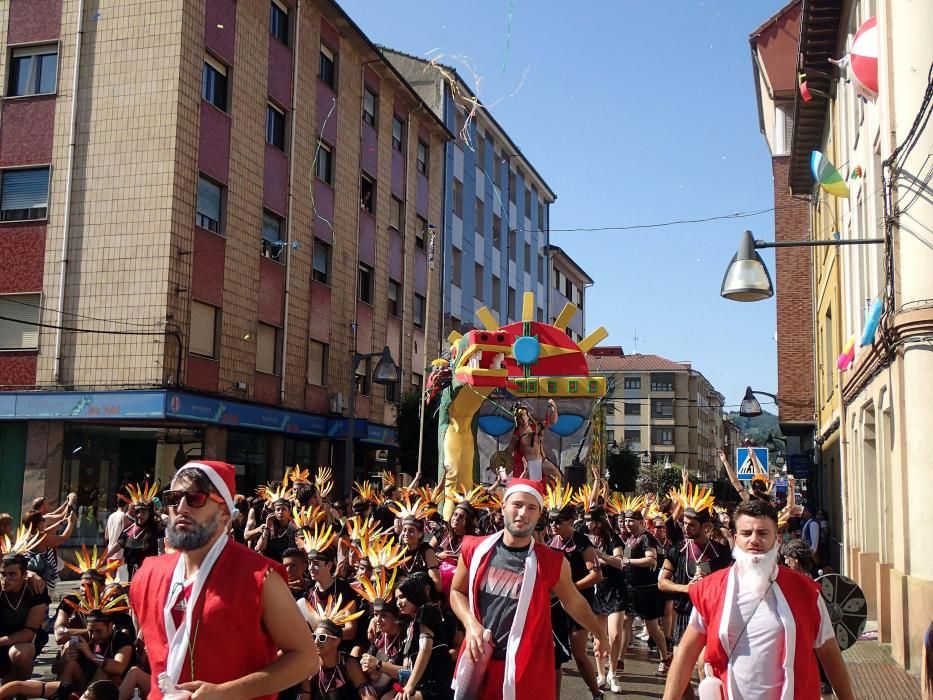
{"x":216,"y":480}
{"x":524,"y":488}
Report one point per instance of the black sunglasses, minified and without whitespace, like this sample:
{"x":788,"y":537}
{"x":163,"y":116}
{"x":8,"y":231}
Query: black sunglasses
{"x":194,"y":499}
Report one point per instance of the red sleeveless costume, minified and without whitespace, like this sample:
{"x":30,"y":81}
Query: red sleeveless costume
{"x":796,"y":597}
{"x":531,"y":643}
{"x":228,"y":640}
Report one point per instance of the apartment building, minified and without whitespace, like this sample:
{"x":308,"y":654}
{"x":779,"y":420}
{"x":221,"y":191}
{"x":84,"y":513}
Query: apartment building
{"x":665,"y":410}
{"x":569,"y":283}
{"x":246,"y":206}
{"x":496,"y":205}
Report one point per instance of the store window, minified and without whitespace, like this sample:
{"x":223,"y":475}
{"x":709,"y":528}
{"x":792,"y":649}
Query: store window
{"x":249,"y":453}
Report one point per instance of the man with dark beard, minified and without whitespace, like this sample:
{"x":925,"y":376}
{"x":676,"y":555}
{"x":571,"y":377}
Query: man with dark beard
{"x":192,"y":603}
{"x":763,"y":625}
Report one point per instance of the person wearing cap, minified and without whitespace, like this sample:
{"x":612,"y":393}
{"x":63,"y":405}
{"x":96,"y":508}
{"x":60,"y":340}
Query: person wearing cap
{"x":190,"y":604}
{"x":501,"y":592}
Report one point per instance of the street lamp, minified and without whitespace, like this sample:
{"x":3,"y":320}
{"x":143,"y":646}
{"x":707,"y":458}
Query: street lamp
{"x":386,"y":372}
{"x":747,"y":278}
{"x":750,"y":408}
{"x":770,"y":442}
{"x":645,"y":458}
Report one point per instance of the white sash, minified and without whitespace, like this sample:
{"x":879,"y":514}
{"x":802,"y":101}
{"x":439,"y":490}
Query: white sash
{"x":178,"y":639}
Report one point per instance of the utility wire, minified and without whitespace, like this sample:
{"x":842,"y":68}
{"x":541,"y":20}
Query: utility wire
{"x":677,"y":222}
{"x":84,"y":330}
{"x":81,"y":316}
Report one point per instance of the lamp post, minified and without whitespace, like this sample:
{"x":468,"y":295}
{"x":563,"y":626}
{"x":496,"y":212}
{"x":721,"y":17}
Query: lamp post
{"x":747,"y":278}
{"x":386,"y":372}
{"x":750,"y":408}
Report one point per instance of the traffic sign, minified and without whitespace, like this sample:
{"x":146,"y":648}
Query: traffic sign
{"x":751,"y":461}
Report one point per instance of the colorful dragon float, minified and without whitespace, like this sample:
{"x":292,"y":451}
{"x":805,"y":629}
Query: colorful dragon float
{"x":499,"y":379}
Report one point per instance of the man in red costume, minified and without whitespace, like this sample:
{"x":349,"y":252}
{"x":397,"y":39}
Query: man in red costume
{"x":501,"y":591}
{"x":212,"y":590}
{"x":763,"y":625}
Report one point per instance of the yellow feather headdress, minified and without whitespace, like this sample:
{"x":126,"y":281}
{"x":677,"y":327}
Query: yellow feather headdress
{"x":435,"y":495}
{"x":476,"y":497}
{"x":336,"y":613}
{"x":587,"y":496}
{"x":324,"y":481}
{"x":378,"y":590}
{"x":653,"y":512}
{"x":693,"y":497}
{"x":297,"y":475}
{"x":306,"y":518}
{"x":316,"y":540}
{"x":94,"y":597}
{"x":388,"y":479}
{"x":26,"y":541}
{"x":618,"y":503}
{"x":140,"y":495}
{"x":405,"y":509}
{"x":557,"y":496}
{"x":367,"y":491}
{"x":384,"y":553}
{"x":361,"y":532}
{"x":92,"y":561}
{"x":273,"y":492}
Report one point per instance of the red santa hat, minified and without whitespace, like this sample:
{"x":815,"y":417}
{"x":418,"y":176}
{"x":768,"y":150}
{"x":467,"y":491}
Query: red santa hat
{"x":222,"y":476}
{"x":528,"y":486}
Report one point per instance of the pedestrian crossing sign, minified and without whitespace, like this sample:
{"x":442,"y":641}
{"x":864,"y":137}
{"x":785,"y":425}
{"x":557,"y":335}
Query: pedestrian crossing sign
{"x":751,"y":461}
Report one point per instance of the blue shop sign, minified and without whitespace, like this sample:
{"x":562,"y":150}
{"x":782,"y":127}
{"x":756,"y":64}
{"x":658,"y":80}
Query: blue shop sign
{"x":243,"y":415}
{"x":338,"y":428}
{"x":75,"y":405}
{"x":799,"y":465}
{"x":380,"y":435}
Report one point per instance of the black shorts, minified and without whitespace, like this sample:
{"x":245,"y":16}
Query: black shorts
{"x":646,"y":602}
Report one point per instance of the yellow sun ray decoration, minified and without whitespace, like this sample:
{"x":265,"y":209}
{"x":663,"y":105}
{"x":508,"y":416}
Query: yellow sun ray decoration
{"x":140,"y":495}
{"x":94,"y":597}
{"x":92,"y":561}
{"x":367,"y":491}
{"x":306,"y":518}
{"x":273,"y":492}
{"x":557,"y":497}
{"x":316,"y":540}
{"x":378,"y":591}
{"x":405,"y":509}
{"x":324,"y":481}
{"x":385,"y":553}
{"x":297,"y":475}
{"x":693,"y":498}
{"x":587,"y":496}
{"x":477,"y":498}
{"x":435,"y":495}
{"x":26,"y":541}
{"x":618,"y":503}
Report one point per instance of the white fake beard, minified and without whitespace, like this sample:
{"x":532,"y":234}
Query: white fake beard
{"x":755,"y":570}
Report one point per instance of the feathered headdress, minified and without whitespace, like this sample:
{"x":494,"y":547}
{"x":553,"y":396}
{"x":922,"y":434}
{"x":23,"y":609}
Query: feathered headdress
{"x":306,"y":518}
{"x":86,"y":562}
{"x":653,"y":512}
{"x":378,"y":591}
{"x":26,"y":541}
{"x":140,"y":495}
{"x":587,"y":496}
{"x":273,"y":492}
{"x":384,"y":553}
{"x":334,"y":614}
{"x":693,"y":498}
{"x":411,"y":512}
{"x":617,"y":504}
{"x":388,"y":479}
{"x":475,"y":498}
{"x":367,"y":491}
{"x":557,"y":497}
{"x":435,"y":495}
{"x":297,"y":475}
{"x":361,"y":532}
{"x":317,"y":540}
{"x":324,"y":481}
{"x":93,"y":599}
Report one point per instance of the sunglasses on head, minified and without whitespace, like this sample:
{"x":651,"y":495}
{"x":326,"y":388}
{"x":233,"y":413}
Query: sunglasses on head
{"x":194,"y":499}
{"x":322,"y":638}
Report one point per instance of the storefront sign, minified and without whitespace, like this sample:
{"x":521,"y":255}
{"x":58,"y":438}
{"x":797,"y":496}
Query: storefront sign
{"x":338,"y":428}
{"x":799,"y":465}
{"x":243,"y":415}
{"x":380,"y":434}
{"x":73,"y":405}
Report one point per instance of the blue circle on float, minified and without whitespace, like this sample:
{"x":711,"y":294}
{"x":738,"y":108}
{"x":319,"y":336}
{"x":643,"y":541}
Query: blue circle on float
{"x":526,"y":350}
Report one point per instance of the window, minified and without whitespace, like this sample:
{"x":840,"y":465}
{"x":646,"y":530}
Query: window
{"x":540,"y":315}
{"x":478,"y":281}
{"x":455,"y":266}
{"x":662,"y":381}
{"x":610,"y":437}
{"x":317,"y":363}
{"x":479,"y":215}
{"x":632,"y":409}
{"x":662,"y":436}
{"x":497,"y":169}
{"x":527,"y":257}
{"x":24,"y":194}
{"x":459,"y":124}
{"x":33,"y":70}
{"x":203,"y":331}
{"x":557,"y":280}
{"x":421,"y":230}
{"x":395,"y":296}
{"x":362,"y":378}
{"x":541,"y":268}
{"x":417,"y":383}
{"x":458,"y":198}
{"x":278,"y":22}
{"x":267,"y":344}
{"x":272,"y":243}
{"x":497,"y":232}
{"x":632,"y":437}
{"x":662,"y":408}
{"x":320,"y":264}
{"x":631,"y":383}
{"x":397,"y":127}
{"x":275,"y":127}
{"x":454,"y":325}
{"x":418,"y":309}
{"x":512,"y":186}
{"x":783,"y":129}
{"x":369,"y":107}
{"x":540,"y":216}
{"x":395,"y":213}
{"x":210,"y":201}
{"x":324,"y":163}
{"x":580,"y":298}
{"x":527,"y":202}
{"x":422,"y":164}
{"x":14,"y":335}
{"x":480,"y":150}
{"x":510,"y":308}
{"x":326,"y":72}
{"x":391,"y":391}
{"x":366,"y":284}
{"x":496,"y":292}
{"x":367,"y":194}
{"x":214,"y":83}
{"x":568,"y":289}
{"x":513,"y":244}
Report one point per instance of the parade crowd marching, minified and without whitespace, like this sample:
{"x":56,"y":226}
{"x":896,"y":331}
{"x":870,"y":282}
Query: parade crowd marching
{"x":405,"y":592}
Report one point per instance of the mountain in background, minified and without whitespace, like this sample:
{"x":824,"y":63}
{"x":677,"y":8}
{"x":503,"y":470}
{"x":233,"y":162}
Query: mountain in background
{"x":756,"y":429}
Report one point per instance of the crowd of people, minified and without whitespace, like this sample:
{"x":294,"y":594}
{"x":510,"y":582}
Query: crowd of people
{"x":295,"y":593}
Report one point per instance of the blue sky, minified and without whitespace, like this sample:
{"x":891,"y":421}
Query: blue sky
{"x":634,"y":113}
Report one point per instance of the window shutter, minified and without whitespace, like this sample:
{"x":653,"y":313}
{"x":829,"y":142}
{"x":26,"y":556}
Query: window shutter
{"x":265,"y":349}
{"x":203,"y":329}
{"x":19,"y":336}
{"x":208,"y":199}
{"x":316,"y":363}
{"x":788,"y":130}
{"x":271,"y":228}
{"x":25,"y":189}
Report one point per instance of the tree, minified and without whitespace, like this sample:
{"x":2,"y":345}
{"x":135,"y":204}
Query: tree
{"x":406,"y":432}
{"x":659,"y":478}
{"x":622,"y":466}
